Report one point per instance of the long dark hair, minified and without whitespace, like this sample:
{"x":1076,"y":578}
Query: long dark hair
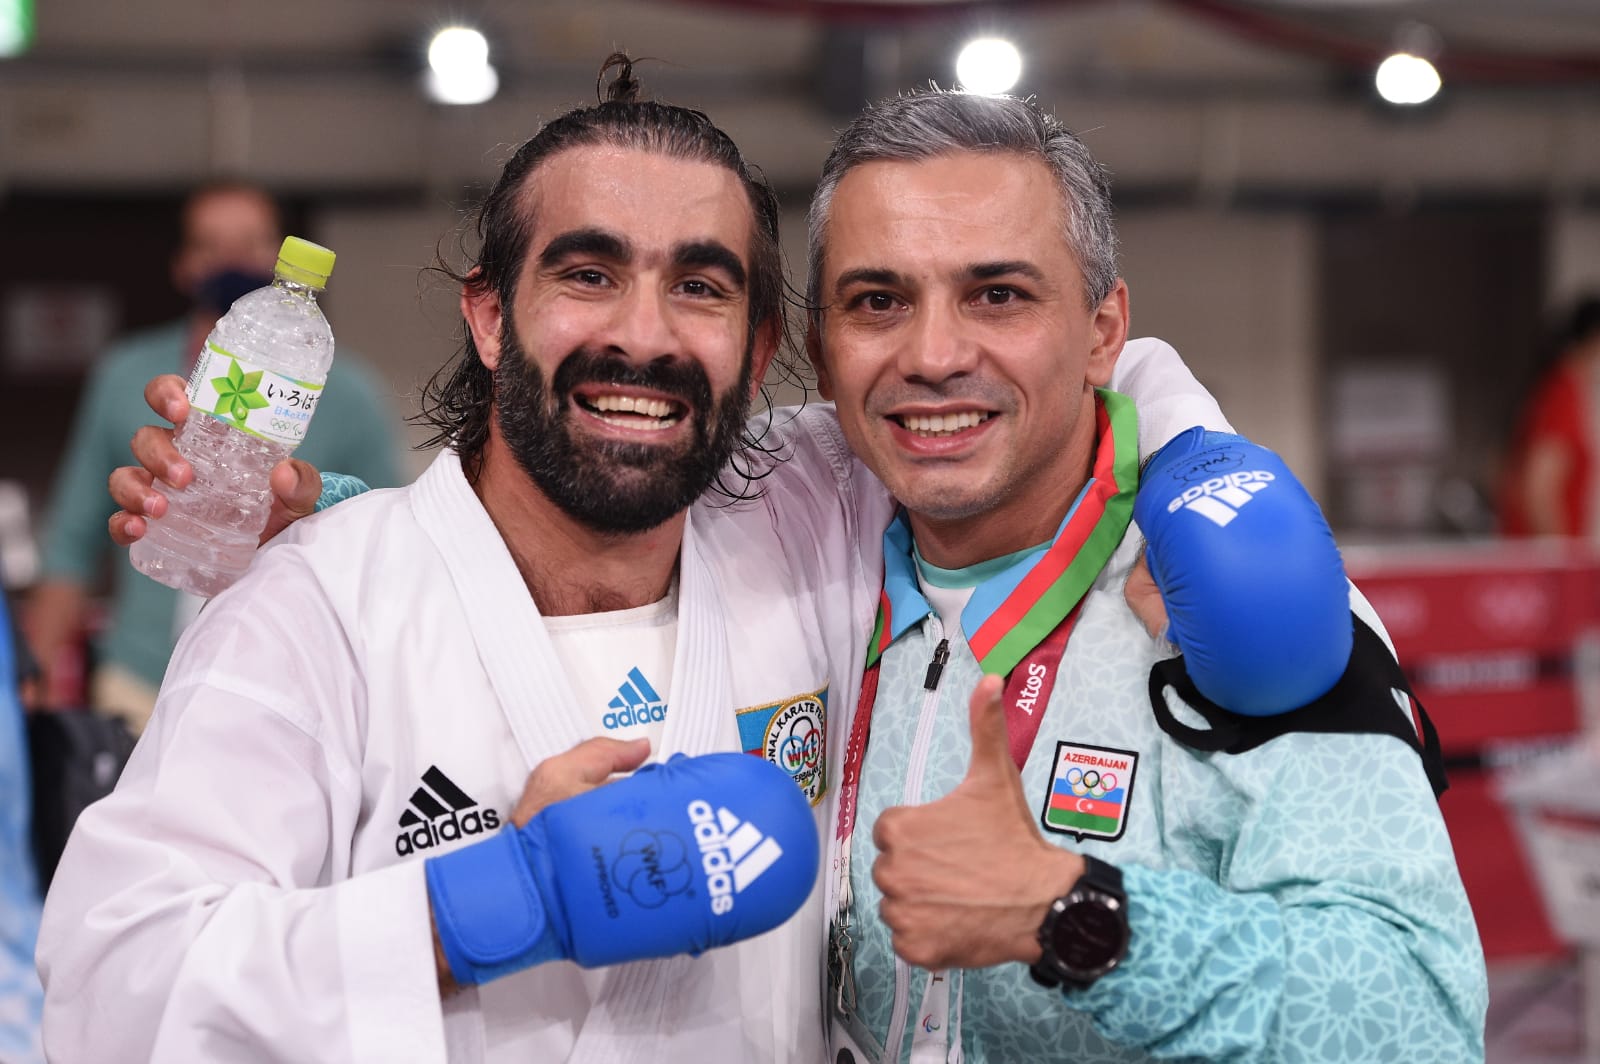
{"x":456,"y":402}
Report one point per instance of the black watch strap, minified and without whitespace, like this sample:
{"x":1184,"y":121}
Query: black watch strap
{"x":1098,"y":878}
{"x":1103,"y":876}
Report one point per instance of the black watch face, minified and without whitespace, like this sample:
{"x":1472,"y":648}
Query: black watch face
{"x":1089,"y":935}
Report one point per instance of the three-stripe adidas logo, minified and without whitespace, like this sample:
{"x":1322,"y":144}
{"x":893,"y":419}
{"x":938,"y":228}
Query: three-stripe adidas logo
{"x":636,"y":702}
{"x":733,"y":852}
{"x":1220,"y":499}
{"x":438,"y":812}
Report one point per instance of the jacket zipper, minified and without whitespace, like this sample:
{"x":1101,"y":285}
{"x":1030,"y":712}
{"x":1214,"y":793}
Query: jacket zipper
{"x":913,"y":796}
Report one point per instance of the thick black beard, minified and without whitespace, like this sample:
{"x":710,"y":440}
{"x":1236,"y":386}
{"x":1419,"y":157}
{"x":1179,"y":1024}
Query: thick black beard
{"x":611,"y":487}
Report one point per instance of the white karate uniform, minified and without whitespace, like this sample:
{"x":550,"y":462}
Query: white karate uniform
{"x":246,"y":895}
{"x":243,"y":894}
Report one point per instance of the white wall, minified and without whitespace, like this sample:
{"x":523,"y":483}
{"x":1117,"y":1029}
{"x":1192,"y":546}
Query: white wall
{"x":400,"y":320}
{"x":1572,"y":261}
{"x":1236,"y":293}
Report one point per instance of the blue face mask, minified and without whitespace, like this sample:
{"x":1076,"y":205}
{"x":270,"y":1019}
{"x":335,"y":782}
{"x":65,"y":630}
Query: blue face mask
{"x":217,"y":291}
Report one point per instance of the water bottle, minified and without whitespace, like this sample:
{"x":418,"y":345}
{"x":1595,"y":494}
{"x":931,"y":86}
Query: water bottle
{"x":253,"y":391}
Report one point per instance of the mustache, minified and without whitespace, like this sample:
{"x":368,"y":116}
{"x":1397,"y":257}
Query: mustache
{"x":983,"y":393}
{"x":678,"y":378}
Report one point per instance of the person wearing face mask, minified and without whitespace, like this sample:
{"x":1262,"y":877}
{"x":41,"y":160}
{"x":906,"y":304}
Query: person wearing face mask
{"x":229,"y":237}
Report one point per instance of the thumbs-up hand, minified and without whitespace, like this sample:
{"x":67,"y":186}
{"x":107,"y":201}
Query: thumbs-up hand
{"x":967,"y":879}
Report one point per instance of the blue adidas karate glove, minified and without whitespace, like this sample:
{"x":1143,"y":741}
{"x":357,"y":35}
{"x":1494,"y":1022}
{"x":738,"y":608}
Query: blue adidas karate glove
{"x":677,"y":858}
{"x":1253,"y":583}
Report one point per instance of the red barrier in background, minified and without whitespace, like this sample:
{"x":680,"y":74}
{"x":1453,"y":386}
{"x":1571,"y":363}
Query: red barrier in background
{"x":1492,"y":637}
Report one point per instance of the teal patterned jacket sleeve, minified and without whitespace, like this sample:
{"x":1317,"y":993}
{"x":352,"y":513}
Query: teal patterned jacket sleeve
{"x":1335,"y":928}
{"x":337,"y":487}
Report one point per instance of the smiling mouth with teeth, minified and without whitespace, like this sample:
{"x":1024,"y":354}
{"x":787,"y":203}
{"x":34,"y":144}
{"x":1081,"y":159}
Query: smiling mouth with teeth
{"x":633,"y":412}
{"x":942,"y":424}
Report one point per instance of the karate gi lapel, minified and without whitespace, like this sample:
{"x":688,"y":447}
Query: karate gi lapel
{"x":513,"y":646}
{"x":700,"y":708}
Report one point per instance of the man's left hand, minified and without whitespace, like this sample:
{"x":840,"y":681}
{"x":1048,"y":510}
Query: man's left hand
{"x":967,"y":879}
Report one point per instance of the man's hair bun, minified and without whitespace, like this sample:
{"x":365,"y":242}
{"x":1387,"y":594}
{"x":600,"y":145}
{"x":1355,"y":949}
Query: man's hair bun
{"x":624,"y":87}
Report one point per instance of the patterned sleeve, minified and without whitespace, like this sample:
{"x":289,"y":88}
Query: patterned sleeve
{"x":337,"y":487}
{"x":1336,"y":928}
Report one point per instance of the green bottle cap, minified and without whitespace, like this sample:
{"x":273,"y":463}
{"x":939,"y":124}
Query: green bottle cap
{"x":303,"y":262}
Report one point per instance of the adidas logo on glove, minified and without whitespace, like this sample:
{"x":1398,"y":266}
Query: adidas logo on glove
{"x":667,"y":861}
{"x":1220,"y":499}
{"x":732,"y":852}
{"x":1260,"y":608}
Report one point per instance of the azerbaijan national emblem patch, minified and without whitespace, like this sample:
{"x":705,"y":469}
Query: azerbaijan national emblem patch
{"x":1090,"y":787}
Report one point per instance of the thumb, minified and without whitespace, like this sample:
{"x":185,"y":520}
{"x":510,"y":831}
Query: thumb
{"x":1144,"y":598}
{"x":296,"y":486}
{"x":604,"y":758}
{"x":991,"y":744}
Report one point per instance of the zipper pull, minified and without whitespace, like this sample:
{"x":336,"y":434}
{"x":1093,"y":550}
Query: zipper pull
{"x":941,"y":655}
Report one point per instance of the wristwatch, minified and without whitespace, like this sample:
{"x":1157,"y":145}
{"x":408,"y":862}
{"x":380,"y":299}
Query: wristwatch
{"x":1085,"y":933}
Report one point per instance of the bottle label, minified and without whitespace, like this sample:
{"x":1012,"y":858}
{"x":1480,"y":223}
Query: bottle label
{"x":250,"y":399}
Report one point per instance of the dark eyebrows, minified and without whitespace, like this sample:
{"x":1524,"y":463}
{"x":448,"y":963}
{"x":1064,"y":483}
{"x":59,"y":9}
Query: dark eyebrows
{"x":709,"y":255}
{"x":988,"y":271}
{"x":600,"y":244}
{"x":589,"y":242}
{"x":978,"y":271}
{"x":875,"y":275}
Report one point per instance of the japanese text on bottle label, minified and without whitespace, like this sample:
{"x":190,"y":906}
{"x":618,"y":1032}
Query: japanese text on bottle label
{"x":251,"y":399}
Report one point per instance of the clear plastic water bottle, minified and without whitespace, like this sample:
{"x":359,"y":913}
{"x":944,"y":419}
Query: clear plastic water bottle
{"x":253,"y":391}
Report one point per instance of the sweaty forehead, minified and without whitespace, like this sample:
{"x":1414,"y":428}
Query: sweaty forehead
{"x":656,"y":201}
{"x":962,"y":207}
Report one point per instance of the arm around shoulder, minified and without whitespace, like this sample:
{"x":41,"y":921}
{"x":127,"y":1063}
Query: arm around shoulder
{"x":1166,"y":393}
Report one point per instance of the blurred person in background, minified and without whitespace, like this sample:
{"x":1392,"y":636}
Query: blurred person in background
{"x":230,"y":233}
{"x":1548,"y":487}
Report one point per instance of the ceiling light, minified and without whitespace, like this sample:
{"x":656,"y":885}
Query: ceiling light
{"x":988,"y":65}
{"x":459,"y":71}
{"x":1406,"y":80}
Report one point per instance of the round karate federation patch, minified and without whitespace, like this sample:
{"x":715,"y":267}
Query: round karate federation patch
{"x":1089,"y":791}
{"x":792,"y":734}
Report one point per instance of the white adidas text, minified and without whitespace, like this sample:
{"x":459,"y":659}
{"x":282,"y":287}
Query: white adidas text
{"x":732,"y":853}
{"x":1220,"y":498}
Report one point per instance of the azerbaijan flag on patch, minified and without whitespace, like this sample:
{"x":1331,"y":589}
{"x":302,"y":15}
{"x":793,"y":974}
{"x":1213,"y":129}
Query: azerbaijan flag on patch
{"x":1090,"y":788}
